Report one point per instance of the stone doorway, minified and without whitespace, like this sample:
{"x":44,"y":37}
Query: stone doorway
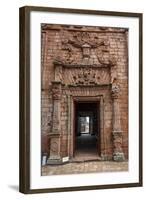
{"x":86,"y":131}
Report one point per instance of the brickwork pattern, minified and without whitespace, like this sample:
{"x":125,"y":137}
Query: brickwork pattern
{"x":59,"y":44}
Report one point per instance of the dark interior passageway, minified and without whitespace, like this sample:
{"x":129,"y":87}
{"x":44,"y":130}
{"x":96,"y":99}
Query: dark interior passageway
{"x":87,"y":131}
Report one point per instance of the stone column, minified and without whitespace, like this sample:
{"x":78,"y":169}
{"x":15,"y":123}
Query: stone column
{"x":54,"y":157}
{"x":118,"y":154}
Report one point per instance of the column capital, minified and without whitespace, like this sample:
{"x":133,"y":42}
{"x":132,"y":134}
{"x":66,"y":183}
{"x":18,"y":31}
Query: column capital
{"x":115,"y":90}
{"x":56,"y":90}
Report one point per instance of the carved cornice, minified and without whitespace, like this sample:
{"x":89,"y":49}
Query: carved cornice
{"x":96,"y":85}
{"x":77,"y":28}
{"x":58,"y":61}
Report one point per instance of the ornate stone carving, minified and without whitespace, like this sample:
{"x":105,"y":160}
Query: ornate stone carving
{"x":54,"y":156}
{"x":58,"y":73}
{"x":117,"y":142}
{"x":56,"y":90}
{"x":115,"y":90}
{"x":85,"y":77}
{"x":84,"y":70}
{"x":80,"y":39}
{"x":105,"y":58}
{"x":85,"y":42}
{"x":118,"y":154}
{"x":54,"y":147}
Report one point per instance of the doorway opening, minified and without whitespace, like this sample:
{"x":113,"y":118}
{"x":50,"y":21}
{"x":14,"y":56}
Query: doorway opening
{"x":87,"y":130}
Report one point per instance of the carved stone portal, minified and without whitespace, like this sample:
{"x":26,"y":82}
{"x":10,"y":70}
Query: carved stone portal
{"x":84,"y":64}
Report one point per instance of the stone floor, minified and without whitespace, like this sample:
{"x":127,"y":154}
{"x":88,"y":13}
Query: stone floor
{"x":86,"y":148}
{"x":85,"y":167}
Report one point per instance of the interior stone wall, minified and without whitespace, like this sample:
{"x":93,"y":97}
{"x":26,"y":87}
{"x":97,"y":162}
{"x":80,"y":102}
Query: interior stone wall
{"x":72,"y":48}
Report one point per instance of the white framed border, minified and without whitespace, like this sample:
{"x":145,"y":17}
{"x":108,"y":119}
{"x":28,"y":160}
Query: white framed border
{"x":56,"y":181}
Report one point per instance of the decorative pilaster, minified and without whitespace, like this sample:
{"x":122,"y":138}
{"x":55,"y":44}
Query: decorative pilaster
{"x":56,"y":94}
{"x":118,"y":154}
{"x":54,"y":157}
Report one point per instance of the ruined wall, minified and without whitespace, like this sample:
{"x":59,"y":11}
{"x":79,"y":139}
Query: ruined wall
{"x":74,"y":47}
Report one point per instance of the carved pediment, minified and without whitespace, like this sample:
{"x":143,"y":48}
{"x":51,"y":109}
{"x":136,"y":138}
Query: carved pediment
{"x":84,"y":48}
{"x":84,"y":60}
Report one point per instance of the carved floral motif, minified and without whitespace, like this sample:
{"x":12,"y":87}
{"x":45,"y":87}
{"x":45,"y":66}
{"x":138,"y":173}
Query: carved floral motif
{"x":85,"y":77}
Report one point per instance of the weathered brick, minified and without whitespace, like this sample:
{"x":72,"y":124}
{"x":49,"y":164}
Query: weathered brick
{"x":57,"y":43}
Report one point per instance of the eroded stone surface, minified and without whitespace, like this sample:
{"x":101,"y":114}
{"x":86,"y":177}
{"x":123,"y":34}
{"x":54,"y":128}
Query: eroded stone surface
{"x":85,"y":167}
{"x":84,"y":63}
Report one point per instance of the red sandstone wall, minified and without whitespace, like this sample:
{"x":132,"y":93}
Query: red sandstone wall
{"x":52,"y":48}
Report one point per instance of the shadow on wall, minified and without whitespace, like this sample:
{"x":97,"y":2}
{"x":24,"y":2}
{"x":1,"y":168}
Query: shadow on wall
{"x":14,"y":187}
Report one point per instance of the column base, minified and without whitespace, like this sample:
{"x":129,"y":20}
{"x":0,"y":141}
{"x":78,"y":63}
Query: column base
{"x":119,"y":157}
{"x":106,"y":157}
{"x":54,"y":161}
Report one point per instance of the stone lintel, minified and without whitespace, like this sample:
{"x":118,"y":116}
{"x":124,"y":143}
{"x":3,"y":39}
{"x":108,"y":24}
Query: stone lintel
{"x":95,"y":85}
{"x":59,"y":62}
{"x":79,"y":65}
